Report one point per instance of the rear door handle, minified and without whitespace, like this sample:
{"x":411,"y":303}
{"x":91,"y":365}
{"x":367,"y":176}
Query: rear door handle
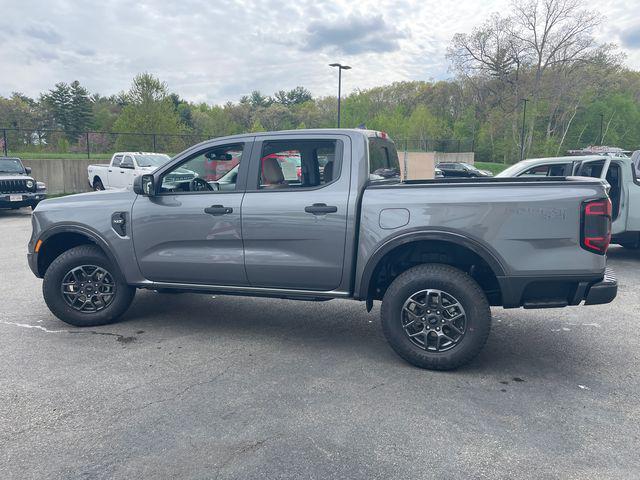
{"x":218,"y":210}
{"x":320,"y":209}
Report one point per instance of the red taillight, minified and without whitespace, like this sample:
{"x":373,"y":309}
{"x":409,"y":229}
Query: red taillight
{"x":596,"y":225}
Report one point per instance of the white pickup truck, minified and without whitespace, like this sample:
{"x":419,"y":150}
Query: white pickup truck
{"x":123,"y":168}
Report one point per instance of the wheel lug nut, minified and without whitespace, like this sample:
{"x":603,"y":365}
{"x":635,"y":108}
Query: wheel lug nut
{"x":443,"y":320}
{"x":438,"y":328}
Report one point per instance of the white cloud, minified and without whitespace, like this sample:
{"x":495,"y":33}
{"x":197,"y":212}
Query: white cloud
{"x":218,"y":50}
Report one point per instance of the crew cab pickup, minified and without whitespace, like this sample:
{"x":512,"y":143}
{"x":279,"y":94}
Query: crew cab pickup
{"x":17,"y":187}
{"x":120,"y":172}
{"x":620,"y":173}
{"x":437,"y":252}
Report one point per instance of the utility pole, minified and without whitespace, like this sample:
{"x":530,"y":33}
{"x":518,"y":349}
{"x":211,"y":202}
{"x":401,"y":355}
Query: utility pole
{"x":524,"y":117}
{"x":340,"y":68}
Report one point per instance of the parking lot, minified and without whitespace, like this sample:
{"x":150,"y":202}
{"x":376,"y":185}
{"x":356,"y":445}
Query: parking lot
{"x":230,"y":387}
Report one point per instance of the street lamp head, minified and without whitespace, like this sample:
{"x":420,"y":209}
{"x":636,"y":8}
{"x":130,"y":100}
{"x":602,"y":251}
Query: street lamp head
{"x":340,"y":66}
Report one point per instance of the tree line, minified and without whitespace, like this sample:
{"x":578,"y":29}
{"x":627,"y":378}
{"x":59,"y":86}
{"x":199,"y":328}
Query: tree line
{"x":541,"y":53}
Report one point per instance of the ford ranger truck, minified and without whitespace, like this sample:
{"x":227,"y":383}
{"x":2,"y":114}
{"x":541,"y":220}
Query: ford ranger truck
{"x":437,"y":253}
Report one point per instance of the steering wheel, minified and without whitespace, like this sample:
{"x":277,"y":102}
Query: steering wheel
{"x":198,"y":184}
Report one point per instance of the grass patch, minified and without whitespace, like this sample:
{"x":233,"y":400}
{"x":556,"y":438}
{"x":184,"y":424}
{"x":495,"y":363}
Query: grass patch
{"x":494,"y":168}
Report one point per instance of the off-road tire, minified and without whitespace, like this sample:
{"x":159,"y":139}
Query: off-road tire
{"x":75,"y":257}
{"x":456,"y":283}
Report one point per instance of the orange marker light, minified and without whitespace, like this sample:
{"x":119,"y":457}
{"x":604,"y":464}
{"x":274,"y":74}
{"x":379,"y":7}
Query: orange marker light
{"x":38,"y":245}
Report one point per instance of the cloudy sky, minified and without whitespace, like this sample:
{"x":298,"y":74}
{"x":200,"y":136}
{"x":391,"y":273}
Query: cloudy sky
{"x":219,"y":50}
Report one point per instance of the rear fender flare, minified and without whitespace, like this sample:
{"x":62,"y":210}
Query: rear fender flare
{"x":484,"y":252}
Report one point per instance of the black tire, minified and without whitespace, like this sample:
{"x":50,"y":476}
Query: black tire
{"x":453,"y":282}
{"x":97,"y":185}
{"x":632,"y":245}
{"x":90,"y":255}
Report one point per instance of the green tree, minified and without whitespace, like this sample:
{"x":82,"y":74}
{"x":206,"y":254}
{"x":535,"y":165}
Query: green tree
{"x":150,"y":111}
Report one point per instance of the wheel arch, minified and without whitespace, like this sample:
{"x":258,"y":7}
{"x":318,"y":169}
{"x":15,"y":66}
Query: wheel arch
{"x":60,"y":238}
{"x":428,"y":241}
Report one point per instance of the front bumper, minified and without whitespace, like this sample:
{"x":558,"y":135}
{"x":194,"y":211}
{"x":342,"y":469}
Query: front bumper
{"x":28,"y":199}
{"x":604,"y":291}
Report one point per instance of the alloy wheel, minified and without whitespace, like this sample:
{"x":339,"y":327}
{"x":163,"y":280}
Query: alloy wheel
{"x":434,"y":320}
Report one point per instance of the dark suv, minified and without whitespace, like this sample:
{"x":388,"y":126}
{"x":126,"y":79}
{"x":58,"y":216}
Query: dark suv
{"x":454,"y":169}
{"x":17,"y":187}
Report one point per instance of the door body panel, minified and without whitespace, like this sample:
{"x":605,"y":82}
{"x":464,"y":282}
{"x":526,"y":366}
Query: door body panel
{"x":288,"y":247}
{"x":176,"y":241}
{"x":632,"y":187}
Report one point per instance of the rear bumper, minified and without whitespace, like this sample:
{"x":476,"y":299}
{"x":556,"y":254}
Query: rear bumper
{"x":604,"y":291}
{"x":558,"y":291}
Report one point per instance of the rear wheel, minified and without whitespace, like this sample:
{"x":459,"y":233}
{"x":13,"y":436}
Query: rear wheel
{"x":81,"y":287}
{"x":436,"y":317}
{"x":97,"y":185}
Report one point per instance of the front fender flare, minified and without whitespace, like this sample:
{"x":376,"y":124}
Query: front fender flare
{"x":91,"y":234}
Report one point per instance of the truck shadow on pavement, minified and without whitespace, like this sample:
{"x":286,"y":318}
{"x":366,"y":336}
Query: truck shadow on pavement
{"x":520,"y":344}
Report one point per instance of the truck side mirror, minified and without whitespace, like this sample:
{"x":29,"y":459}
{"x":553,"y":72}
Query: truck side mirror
{"x":144,"y":185}
{"x":27,"y":170}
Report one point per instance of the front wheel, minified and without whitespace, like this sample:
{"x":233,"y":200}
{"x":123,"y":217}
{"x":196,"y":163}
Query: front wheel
{"x":81,"y":287}
{"x":436,"y":317}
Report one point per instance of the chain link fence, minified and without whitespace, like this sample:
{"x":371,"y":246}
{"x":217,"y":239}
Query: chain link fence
{"x":448,"y":145}
{"x":40,"y":143}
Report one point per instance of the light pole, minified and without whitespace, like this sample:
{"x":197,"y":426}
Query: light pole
{"x":601,"y":122}
{"x":340,"y":68}
{"x":524,"y":117}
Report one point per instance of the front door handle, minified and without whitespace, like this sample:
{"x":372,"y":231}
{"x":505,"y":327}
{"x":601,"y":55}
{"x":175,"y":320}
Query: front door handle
{"x":320,"y":209}
{"x":218,"y":210}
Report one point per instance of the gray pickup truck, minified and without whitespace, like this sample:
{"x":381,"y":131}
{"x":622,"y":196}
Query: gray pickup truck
{"x":437,"y":253}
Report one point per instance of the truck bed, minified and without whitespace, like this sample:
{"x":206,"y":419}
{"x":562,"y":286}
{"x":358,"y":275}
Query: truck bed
{"x":528,"y":228}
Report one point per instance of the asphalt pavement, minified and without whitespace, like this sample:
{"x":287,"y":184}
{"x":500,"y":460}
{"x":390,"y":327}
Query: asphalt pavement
{"x":196,"y":386}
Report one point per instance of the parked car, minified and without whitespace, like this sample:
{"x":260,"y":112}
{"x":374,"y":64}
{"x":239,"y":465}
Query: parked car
{"x":458,"y":169}
{"x":437,"y":253}
{"x":123,"y":168}
{"x":17,"y":187}
{"x":618,"y":170}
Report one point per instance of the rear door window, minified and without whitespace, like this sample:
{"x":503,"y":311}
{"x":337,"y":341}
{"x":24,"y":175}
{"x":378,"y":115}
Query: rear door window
{"x":298,"y":164}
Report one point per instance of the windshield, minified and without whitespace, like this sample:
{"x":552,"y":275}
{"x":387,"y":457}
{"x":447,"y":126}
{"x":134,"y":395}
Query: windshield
{"x":511,"y":171}
{"x":11,"y":165}
{"x":152,"y":160}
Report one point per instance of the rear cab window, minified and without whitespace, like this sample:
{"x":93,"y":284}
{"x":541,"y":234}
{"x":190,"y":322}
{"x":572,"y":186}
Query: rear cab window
{"x":383,"y":159}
